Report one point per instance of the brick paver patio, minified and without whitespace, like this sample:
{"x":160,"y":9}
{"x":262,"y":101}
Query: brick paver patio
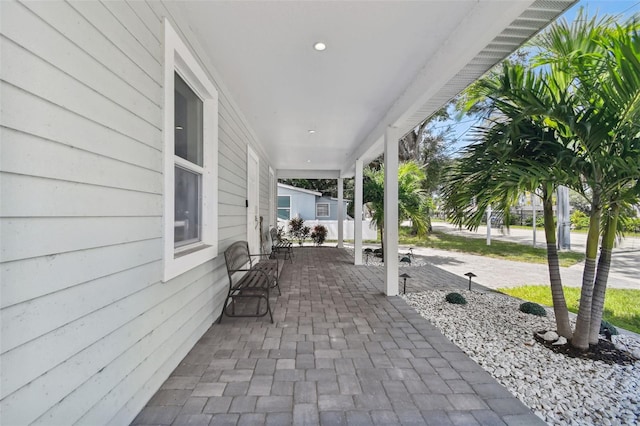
{"x":339,"y":353}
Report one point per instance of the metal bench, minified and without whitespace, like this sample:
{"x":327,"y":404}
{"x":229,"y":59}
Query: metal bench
{"x":249,"y":279}
{"x":280,"y":245}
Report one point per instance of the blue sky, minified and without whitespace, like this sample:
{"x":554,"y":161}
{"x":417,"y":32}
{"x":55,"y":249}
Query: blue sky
{"x":623,"y":8}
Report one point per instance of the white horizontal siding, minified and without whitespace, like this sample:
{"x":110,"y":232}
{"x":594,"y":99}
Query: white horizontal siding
{"x":24,"y":195}
{"x":34,"y":318}
{"x":30,"y":73}
{"x":52,"y":46}
{"x":89,"y":331}
{"x":24,"y":238}
{"x":180,"y":350}
{"x":148,"y":18}
{"x":147,"y":57}
{"x":120,"y":329}
{"x":31,"y":115}
{"x":28,"y":279}
{"x":75,"y":27}
{"x":30,"y":155}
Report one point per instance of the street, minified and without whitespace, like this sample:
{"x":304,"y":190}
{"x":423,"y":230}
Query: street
{"x":495,"y":273}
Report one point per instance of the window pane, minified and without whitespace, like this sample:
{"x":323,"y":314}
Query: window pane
{"x":188,"y":123}
{"x":284,"y":201}
{"x":187,"y":207}
{"x":322,"y":210}
{"x":284,"y":214}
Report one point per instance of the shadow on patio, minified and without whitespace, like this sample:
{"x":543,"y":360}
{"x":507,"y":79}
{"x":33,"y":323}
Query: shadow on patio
{"x":339,"y":352}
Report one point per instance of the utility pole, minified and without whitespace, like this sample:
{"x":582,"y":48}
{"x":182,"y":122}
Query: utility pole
{"x":489,"y":225}
{"x":533,"y":206}
{"x":564,"y":222}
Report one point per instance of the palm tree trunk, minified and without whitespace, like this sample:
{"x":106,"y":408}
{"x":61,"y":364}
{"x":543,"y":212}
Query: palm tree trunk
{"x":583,"y":323}
{"x":602,"y":274}
{"x":559,"y":304}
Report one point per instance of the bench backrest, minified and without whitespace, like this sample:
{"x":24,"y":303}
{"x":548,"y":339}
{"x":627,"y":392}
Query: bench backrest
{"x":237,"y":257}
{"x":273,"y":233}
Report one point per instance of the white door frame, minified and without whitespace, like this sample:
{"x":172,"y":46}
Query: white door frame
{"x":272,"y":198}
{"x":253,"y":201}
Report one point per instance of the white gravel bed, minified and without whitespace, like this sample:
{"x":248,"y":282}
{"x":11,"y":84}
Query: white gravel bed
{"x":559,"y":389}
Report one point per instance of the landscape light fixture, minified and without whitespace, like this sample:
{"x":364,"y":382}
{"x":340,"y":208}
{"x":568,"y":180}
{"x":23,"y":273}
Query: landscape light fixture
{"x":404,"y":287}
{"x":470,"y":275}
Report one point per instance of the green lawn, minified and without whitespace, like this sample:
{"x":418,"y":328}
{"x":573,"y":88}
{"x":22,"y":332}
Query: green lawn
{"x":621,"y":306}
{"x":497,"y":249}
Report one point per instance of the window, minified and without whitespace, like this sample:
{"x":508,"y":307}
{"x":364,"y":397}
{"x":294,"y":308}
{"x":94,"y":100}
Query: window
{"x":190,"y":160}
{"x":188,"y":164}
{"x":322,"y":210}
{"x":284,"y":207}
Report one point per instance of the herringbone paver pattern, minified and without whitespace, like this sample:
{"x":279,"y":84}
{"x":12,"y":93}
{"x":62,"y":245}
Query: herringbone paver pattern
{"x":339,"y":352}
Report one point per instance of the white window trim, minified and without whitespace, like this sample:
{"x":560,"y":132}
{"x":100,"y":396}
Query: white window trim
{"x":328,"y":209}
{"x":178,"y":58}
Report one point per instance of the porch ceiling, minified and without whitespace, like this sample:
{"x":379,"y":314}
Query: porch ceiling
{"x":386,"y":63}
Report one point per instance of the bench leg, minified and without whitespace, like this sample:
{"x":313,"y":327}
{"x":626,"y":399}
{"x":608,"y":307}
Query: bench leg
{"x":269,"y":309}
{"x":224,"y":305}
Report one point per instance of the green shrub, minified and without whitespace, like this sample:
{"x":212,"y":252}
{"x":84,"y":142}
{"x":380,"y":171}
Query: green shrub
{"x":456,"y":299}
{"x":319,"y":234}
{"x":579,"y":220}
{"x":533,"y":309}
{"x":539,"y":221}
{"x":630,"y":224}
{"x":298,"y":230}
{"x":605,"y":325}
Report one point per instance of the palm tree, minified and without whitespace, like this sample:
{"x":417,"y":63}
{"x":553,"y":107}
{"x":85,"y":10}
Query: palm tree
{"x":578,"y":115}
{"x":515,"y":152}
{"x":413,"y":203}
{"x":601,"y":61}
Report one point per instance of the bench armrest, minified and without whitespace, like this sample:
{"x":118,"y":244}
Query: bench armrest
{"x":259,"y":255}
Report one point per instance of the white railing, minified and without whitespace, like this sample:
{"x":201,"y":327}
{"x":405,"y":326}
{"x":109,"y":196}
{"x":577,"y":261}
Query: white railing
{"x":369,"y":232}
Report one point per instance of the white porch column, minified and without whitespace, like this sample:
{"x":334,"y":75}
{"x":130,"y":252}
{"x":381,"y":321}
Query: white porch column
{"x":357,"y":212}
{"x":340,"y":212}
{"x":391,"y":211}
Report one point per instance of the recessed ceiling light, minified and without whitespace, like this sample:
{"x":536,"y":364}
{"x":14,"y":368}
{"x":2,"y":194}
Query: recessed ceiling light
{"x":311,"y":131}
{"x":308,"y":161}
{"x":320,"y":46}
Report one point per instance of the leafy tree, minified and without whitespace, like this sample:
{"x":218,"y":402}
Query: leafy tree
{"x":579,"y":202}
{"x":324,"y":186}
